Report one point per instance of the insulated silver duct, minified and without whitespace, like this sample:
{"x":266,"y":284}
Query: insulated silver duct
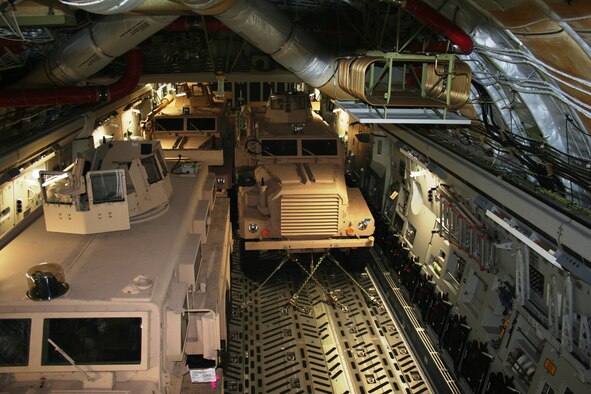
{"x":151,"y":7}
{"x":93,"y":48}
{"x":207,"y":7}
{"x":270,"y":30}
{"x":104,"y":7}
{"x":257,"y":21}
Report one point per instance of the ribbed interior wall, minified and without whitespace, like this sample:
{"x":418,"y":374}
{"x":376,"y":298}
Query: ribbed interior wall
{"x":309,"y":215}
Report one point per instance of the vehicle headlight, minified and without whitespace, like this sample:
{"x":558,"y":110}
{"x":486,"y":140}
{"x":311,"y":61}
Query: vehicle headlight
{"x":221,"y":181}
{"x":253,"y":227}
{"x":362,"y":225}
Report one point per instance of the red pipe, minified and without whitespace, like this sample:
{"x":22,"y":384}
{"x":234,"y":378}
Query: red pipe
{"x":14,"y":45}
{"x":130,"y":78}
{"x":60,"y":95}
{"x":213,"y":24}
{"x":439,"y":23}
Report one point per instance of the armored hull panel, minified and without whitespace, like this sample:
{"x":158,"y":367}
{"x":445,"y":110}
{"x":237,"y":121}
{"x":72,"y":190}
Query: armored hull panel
{"x":129,"y":316}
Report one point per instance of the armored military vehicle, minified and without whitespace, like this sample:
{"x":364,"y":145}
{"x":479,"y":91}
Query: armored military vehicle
{"x":292,"y":193}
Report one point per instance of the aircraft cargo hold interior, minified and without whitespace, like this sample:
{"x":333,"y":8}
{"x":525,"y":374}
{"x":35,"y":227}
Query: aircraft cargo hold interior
{"x":260,"y":196}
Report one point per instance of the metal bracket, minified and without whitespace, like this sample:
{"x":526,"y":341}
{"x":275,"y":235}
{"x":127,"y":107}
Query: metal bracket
{"x":505,"y":246}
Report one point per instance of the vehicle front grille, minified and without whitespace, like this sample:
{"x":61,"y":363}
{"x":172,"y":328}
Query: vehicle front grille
{"x":309,"y":215}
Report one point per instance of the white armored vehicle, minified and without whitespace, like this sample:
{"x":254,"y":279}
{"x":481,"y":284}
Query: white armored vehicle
{"x":90,"y":310}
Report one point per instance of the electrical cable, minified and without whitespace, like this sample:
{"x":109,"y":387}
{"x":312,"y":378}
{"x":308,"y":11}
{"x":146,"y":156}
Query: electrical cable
{"x":539,"y":34}
{"x":546,"y":164}
{"x":530,"y":86}
{"x":543,"y":85}
{"x":541,"y":20}
{"x":176,"y":166}
{"x":527,"y":58}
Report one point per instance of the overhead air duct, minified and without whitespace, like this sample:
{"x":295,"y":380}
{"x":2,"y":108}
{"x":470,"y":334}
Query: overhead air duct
{"x":260,"y":23}
{"x":59,"y":95}
{"x":270,"y":30}
{"x":152,"y":7}
{"x":91,"y":49}
{"x":207,"y":7}
{"x":266,"y":27}
{"x":86,"y":53}
{"x":104,"y":7}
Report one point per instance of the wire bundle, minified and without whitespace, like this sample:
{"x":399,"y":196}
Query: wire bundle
{"x":515,"y":56}
{"x":564,"y":177}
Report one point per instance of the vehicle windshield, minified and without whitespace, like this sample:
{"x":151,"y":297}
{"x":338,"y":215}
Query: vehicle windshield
{"x":201,"y":124}
{"x":106,"y":340}
{"x":289,"y":102}
{"x":168,"y":124}
{"x":107,"y":186}
{"x":326,"y":147}
{"x":57,"y":187}
{"x":279,"y":147}
{"x":151,"y":168}
{"x":14,"y":342}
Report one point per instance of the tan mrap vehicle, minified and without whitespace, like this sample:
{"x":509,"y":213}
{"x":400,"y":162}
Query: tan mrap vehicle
{"x":292,"y":193}
{"x":191,"y":125}
{"x":140,"y":311}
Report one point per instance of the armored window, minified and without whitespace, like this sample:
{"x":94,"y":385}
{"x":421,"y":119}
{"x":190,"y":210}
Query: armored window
{"x":108,"y":340}
{"x":162,"y":162}
{"x":169,"y":124}
{"x":152,"y":170}
{"x":319,"y":147}
{"x":107,"y":186}
{"x":57,"y":187}
{"x":128,"y":182}
{"x":14,"y":342}
{"x":279,"y":147}
{"x":201,"y":124}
